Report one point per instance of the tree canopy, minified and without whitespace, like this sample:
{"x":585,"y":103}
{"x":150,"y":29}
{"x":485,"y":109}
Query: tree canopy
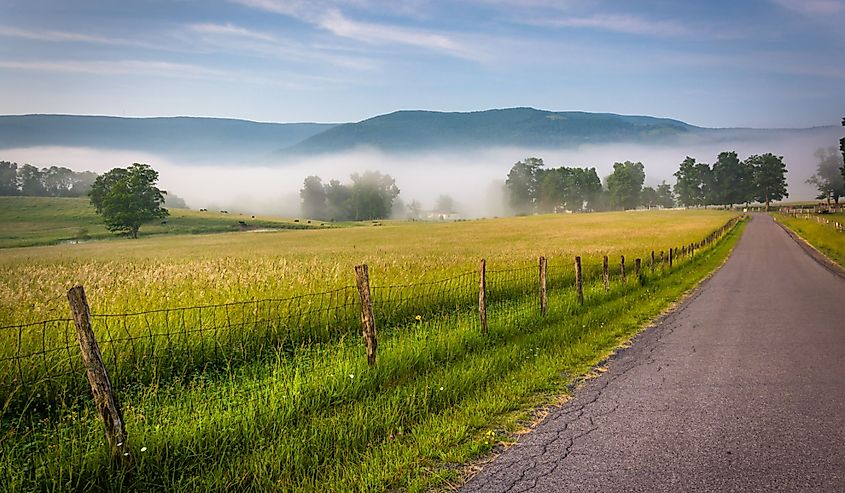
{"x":371,"y":195}
{"x":625,"y":184}
{"x":532,"y":188}
{"x":128,"y":198}
{"x":769,"y":178}
{"x":828,"y":178}
{"x":55,"y":181}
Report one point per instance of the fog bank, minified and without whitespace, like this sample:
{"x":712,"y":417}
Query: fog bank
{"x":472,"y":178}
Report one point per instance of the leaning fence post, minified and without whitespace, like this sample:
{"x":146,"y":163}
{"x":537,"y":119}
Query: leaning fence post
{"x":482,"y":296}
{"x":637,"y":267}
{"x":368,"y":322}
{"x":605,"y":274}
{"x":579,"y":287}
{"x":105,"y":401}
{"x":543,"y":300}
{"x":622,"y":267}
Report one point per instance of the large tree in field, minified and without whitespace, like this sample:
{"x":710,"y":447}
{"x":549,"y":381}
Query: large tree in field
{"x":769,"y":178}
{"x":128,"y":198}
{"x":728,"y":179}
{"x":688,"y":184}
{"x":313,"y":195}
{"x":625,"y":184}
{"x":665,"y":197}
{"x":828,"y":178}
{"x":522,"y":184}
{"x":372,"y":195}
{"x":8,"y":178}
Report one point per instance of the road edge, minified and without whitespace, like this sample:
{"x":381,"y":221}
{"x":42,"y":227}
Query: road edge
{"x":813,"y":252}
{"x":540,"y":413}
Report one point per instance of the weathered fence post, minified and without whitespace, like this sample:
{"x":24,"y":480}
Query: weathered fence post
{"x":637,"y":268}
{"x":579,"y":286}
{"x":605,"y":274}
{"x":105,"y":401}
{"x":622,"y":266}
{"x":368,"y":322}
{"x":652,"y":261}
{"x":482,"y":296}
{"x":671,"y":251}
{"x":543,"y":299}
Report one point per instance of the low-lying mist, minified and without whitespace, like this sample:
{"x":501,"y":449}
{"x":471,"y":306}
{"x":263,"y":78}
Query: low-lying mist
{"x":473,"y":178}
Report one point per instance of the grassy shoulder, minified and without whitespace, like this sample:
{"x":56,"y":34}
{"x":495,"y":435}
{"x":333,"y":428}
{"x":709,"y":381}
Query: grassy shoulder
{"x":31,"y":221}
{"x":441,"y":395}
{"x":823,"y":237}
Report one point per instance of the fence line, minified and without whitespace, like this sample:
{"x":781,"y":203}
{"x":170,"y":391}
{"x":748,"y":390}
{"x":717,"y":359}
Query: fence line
{"x":41,"y":370}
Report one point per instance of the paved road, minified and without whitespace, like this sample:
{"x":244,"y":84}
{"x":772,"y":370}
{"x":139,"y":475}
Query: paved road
{"x":740,"y":389}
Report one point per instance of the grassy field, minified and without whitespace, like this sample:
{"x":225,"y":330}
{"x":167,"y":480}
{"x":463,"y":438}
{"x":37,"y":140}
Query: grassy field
{"x":241,"y":410}
{"x":30,"y":221}
{"x":822,"y":236}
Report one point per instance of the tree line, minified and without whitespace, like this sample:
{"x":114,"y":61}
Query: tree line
{"x":370,"y":195}
{"x":55,"y":181}
{"x":532,"y":188}
{"x":758,"y":178}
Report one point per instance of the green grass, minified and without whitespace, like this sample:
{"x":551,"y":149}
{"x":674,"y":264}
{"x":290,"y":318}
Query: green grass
{"x":30,"y":221}
{"x":822,"y":236}
{"x":314,"y":417}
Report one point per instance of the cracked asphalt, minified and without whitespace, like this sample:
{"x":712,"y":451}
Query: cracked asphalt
{"x":741,"y":388}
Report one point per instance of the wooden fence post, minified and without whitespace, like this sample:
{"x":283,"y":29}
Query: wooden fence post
{"x":652,"y":261}
{"x":622,"y":266}
{"x":543,"y":299}
{"x":482,"y":296}
{"x":368,"y":322}
{"x":637,"y":268}
{"x":671,"y":250}
{"x":605,"y":274}
{"x":579,"y":286}
{"x":105,"y":401}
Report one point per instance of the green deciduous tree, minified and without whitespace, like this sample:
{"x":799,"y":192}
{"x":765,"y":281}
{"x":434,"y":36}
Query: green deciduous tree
{"x":31,"y":181}
{"x":769,"y":178}
{"x":372,"y":195}
{"x":648,"y":197}
{"x":128,"y":198}
{"x":688,"y":184}
{"x":8,"y":178}
{"x":522,"y":184}
{"x":828,"y":178}
{"x":313,"y":195}
{"x":625,"y":184}
{"x":728,"y":176}
{"x":665,"y":197}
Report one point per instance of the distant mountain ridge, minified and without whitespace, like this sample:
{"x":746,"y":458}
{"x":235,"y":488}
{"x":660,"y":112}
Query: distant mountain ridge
{"x":197,"y":140}
{"x":529,"y":127}
{"x":179,"y":137}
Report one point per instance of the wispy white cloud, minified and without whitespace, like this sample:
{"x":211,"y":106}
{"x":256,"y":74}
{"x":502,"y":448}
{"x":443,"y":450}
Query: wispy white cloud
{"x":118,"y":67}
{"x":236,"y":39}
{"x":328,"y":15}
{"x":229,"y":29}
{"x":621,"y":23}
{"x":813,"y":8}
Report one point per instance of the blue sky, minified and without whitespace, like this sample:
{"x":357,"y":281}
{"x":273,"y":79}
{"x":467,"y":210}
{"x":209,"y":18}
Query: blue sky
{"x":761,"y":63}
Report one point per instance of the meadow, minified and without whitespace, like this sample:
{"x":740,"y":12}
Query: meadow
{"x":31,"y":221}
{"x":823,"y":236}
{"x":233,"y":373}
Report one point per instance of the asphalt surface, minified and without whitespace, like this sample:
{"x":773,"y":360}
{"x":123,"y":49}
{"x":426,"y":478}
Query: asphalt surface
{"x":742,"y":388}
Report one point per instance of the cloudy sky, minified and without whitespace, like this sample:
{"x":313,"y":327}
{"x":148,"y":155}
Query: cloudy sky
{"x":761,"y":63}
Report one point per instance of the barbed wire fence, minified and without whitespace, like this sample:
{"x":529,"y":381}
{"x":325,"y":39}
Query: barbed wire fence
{"x":150,"y":359}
